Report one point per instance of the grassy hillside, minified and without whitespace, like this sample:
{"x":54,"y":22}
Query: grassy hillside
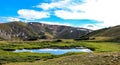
{"x":15,"y":30}
{"x":111,"y":33}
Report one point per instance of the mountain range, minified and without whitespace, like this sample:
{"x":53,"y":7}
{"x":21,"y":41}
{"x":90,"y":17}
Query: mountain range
{"x":34,"y":30}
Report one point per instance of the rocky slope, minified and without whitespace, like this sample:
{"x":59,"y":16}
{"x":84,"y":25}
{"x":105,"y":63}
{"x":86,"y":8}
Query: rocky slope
{"x":35,"y":30}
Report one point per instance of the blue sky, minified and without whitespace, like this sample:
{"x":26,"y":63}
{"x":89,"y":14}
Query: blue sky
{"x":92,"y":14}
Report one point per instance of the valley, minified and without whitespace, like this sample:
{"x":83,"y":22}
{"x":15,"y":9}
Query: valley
{"x":59,"y":32}
{"x":104,"y":44}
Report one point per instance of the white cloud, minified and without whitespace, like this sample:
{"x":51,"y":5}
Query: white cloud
{"x":9,"y":19}
{"x":105,"y":11}
{"x":92,"y":26}
{"x":13,"y":19}
{"x":55,"y":23}
{"x":32,"y":14}
{"x":70,"y":15}
{"x":54,"y":4}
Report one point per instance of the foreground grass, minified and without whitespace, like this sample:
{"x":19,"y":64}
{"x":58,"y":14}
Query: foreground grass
{"x":6,"y":56}
{"x":108,"y":58}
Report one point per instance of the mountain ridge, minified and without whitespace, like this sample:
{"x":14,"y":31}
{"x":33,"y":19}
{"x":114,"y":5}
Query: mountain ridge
{"x":35,"y":30}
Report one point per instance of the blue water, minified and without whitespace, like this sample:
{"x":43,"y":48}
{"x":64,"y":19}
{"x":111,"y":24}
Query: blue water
{"x":54,"y":51}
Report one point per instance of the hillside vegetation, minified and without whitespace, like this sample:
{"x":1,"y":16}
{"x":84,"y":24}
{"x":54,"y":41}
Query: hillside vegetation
{"x":106,"y":34}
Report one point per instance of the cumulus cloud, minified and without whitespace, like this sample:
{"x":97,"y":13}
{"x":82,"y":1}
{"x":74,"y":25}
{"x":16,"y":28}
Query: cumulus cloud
{"x":105,"y":11}
{"x":32,"y":14}
{"x":54,"y":4}
{"x":70,"y":15}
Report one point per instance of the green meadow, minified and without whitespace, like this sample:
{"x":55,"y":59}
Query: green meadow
{"x":101,"y":51}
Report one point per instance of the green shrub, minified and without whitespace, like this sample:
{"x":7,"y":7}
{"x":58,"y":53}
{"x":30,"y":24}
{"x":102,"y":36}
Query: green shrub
{"x":58,"y":40}
{"x":82,"y":38}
